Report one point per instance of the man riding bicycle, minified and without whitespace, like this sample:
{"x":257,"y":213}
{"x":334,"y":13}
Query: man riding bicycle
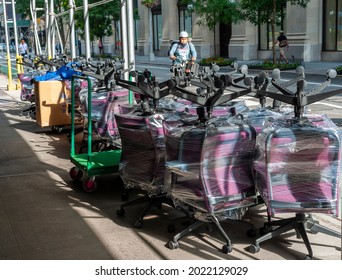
{"x":184,"y":50}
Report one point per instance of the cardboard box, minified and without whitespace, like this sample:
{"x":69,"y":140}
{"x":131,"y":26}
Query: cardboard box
{"x":51,"y":105}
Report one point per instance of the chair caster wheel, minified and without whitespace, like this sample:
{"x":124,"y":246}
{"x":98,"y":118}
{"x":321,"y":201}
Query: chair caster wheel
{"x":209,"y":228}
{"x":307,"y":257}
{"x":173,"y":245}
{"x":138,"y":224}
{"x":120,"y":212}
{"x":227,"y":249}
{"x":125,"y":196}
{"x":254,"y":249}
{"x":251,"y":232}
{"x":171,"y":228}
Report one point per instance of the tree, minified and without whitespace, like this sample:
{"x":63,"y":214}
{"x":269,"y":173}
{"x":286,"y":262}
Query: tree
{"x":212,"y":12}
{"x":267,"y":11}
{"x":100,"y":18}
{"x":23,"y":8}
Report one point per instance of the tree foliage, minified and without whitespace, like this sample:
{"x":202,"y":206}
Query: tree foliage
{"x":267,"y":11}
{"x":212,"y":12}
{"x":262,"y":11}
{"x":22,"y":7}
{"x":100,"y":18}
{"x":150,"y":3}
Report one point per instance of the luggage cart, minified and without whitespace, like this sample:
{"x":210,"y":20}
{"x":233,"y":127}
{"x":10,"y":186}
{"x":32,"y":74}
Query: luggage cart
{"x":91,"y":163}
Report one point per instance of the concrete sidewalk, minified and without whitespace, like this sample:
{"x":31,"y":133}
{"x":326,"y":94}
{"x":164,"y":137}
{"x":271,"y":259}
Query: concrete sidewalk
{"x":45,"y":215}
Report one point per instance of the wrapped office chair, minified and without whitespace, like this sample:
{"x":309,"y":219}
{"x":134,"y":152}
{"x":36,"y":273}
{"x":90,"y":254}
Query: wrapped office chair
{"x":297,"y":171}
{"x":209,"y":173}
{"x":142,"y":163}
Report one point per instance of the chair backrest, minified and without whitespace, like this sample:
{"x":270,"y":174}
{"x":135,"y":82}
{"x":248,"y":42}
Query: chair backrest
{"x":107,"y":125}
{"x":217,"y":111}
{"x":258,"y":117}
{"x":99,"y":102}
{"x":105,"y":104}
{"x":190,"y":148}
{"x":227,"y":167}
{"x":301,"y":170}
{"x":126,"y":108}
{"x":217,"y":167}
{"x":143,"y":151}
{"x":183,"y":154}
{"x":174,"y":128}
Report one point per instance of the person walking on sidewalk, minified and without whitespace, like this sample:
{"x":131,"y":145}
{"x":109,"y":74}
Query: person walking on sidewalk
{"x":100,"y":46}
{"x":22,"y":47}
{"x":283,"y":43}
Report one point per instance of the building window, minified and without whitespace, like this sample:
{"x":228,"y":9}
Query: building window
{"x":185,"y":18}
{"x":332,"y":25}
{"x":265,"y":31}
{"x":157,"y":23}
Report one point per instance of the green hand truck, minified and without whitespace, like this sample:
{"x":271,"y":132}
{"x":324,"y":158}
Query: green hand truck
{"x":91,"y":163}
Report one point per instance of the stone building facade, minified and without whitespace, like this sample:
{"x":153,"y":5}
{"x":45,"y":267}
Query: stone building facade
{"x":314,"y":33}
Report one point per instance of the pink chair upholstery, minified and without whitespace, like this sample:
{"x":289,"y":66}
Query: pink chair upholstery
{"x":212,"y":173}
{"x":105,"y":104}
{"x":142,"y":163}
{"x":298,"y":171}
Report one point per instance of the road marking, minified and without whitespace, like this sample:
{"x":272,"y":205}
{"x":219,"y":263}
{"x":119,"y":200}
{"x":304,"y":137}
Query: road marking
{"x":329,"y":105}
{"x":250,"y":102}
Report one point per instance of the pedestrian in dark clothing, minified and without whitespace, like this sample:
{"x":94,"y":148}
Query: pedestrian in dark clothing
{"x":79,"y":44}
{"x":283,"y":43}
{"x":100,"y":45}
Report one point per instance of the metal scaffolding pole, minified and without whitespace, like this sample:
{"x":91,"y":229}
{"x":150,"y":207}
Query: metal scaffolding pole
{"x":130,"y":25}
{"x":51,"y":25}
{"x":52,"y":29}
{"x":72,"y":29}
{"x":47,"y":28}
{"x":59,"y":36}
{"x":15,"y":28}
{"x":34,"y":20}
{"x":10,"y":86}
{"x":99,"y":3}
{"x":86,"y":28}
{"x":18,"y":58}
{"x":124,"y":38}
{"x":33,"y":9}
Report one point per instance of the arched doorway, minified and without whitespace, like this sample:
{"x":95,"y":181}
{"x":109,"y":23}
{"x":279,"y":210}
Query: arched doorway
{"x":225,"y":35}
